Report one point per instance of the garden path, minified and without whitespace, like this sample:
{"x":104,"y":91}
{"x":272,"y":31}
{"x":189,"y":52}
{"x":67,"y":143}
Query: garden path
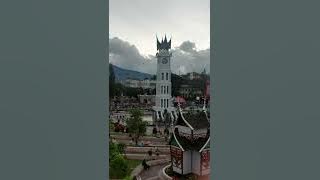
{"x":152,"y":172}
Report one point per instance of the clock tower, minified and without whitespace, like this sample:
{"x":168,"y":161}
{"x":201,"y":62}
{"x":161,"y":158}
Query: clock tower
{"x":163,"y":99}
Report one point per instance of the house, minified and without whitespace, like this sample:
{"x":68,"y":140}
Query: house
{"x":190,"y":143}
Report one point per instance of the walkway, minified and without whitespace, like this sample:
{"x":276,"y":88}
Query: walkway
{"x":152,"y":172}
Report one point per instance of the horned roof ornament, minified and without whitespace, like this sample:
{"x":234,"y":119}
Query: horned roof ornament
{"x":164,"y":44}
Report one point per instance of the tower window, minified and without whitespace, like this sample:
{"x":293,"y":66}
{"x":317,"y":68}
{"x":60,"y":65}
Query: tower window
{"x":167,"y":103}
{"x":161,"y":102}
{"x":167,"y":76}
{"x":161,"y":89}
{"x":162,"y":76}
{"x":167,"y":89}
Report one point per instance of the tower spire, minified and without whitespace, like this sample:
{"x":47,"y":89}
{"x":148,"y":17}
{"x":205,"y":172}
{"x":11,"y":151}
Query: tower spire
{"x":158,"y":43}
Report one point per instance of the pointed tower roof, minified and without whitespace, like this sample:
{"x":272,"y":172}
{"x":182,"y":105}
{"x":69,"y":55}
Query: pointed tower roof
{"x":164,"y":44}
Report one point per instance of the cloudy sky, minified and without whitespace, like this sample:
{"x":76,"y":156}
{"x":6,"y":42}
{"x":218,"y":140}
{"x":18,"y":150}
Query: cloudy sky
{"x":134,"y":25}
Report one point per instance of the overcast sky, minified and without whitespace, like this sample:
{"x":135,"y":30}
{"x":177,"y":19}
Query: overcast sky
{"x":134,"y":24}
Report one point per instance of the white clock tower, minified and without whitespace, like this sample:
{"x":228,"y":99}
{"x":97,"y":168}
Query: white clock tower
{"x":163,"y":100}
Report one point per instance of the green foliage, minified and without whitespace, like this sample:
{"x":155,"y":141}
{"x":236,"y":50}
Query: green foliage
{"x":118,"y":89}
{"x":137,"y":127}
{"x":176,"y":82}
{"x":118,"y":166}
{"x":111,"y":81}
{"x":133,"y":92}
{"x":113,"y":150}
{"x":111,"y":126}
{"x":127,"y":178}
{"x":121,"y":148}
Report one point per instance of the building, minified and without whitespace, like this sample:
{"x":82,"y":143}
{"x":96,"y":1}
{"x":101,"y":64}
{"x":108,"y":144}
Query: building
{"x":163,"y":99}
{"x":119,"y":116}
{"x":189,"y":91}
{"x":123,"y":102}
{"x":122,"y":116}
{"x":190,"y":143}
{"x":135,"y":83}
{"x":194,"y":75}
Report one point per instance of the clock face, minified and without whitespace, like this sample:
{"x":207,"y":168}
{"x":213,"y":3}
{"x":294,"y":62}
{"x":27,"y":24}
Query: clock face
{"x":164,"y":60}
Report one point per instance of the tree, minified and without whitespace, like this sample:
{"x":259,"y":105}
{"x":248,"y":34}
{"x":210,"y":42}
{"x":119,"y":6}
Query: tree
{"x":176,"y":82}
{"x":154,"y":77}
{"x":121,"y":148}
{"x":137,"y":127}
{"x":111,"y":81}
{"x":118,"y":166}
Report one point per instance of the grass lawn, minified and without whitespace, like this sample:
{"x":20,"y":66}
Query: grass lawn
{"x":133,"y":164}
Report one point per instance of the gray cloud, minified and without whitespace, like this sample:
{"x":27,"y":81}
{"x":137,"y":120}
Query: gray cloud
{"x":188,"y":46}
{"x":185,"y":57}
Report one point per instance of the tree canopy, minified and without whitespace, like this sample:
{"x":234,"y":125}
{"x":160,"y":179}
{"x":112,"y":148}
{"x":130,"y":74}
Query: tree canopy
{"x":137,"y":127}
{"x":118,"y":165}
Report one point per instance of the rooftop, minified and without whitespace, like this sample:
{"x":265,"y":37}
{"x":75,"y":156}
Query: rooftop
{"x":196,"y":119}
{"x":189,"y":143}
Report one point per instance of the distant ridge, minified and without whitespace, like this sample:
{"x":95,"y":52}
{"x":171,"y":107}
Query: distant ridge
{"x":123,"y":74}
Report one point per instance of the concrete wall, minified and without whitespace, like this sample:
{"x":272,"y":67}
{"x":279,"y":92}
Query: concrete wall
{"x":178,"y":170}
{"x":206,"y":172}
{"x":144,"y":138}
{"x":187,"y":164}
{"x":196,"y":162}
{"x":146,"y":156}
{"x":163,"y":175}
{"x":152,"y":143}
{"x":132,"y":149}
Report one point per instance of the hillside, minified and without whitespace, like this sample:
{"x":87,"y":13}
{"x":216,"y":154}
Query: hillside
{"x":123,"y":74}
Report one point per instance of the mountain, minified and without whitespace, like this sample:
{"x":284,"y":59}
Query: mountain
{"x":123,"y":74}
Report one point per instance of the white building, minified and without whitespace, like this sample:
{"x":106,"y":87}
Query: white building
{"x":144,"y":84}
{"x":163,"y":99}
